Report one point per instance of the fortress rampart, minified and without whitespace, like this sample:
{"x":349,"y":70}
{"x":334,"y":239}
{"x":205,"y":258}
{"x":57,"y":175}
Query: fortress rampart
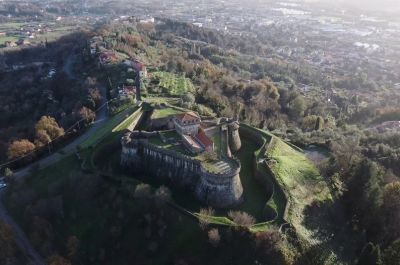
{"x":216,"y":189}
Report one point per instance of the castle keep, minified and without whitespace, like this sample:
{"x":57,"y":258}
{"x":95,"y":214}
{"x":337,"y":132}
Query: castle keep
{"x":180,"y":155}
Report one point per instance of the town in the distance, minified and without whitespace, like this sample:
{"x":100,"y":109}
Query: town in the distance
{"x":199,"y":132}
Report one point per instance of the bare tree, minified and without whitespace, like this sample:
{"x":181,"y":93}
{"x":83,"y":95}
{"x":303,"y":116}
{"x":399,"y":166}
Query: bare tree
{"x":214,"y":237}
{"x":204,"y":217}
{"x":242,"y":218}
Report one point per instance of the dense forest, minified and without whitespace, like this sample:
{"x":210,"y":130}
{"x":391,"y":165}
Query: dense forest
{"x":40,"y":86}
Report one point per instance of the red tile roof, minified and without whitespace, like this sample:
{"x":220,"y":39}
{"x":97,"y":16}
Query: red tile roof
{"x":187,"y":116}
{"x":204,"y":139}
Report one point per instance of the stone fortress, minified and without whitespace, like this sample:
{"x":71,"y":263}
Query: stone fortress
{"x":177,"y":148}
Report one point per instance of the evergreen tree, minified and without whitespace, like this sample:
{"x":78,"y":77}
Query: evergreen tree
{"x":370,"y":255}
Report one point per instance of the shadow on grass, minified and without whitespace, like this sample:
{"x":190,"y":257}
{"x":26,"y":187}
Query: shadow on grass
{"x":330,"y":227}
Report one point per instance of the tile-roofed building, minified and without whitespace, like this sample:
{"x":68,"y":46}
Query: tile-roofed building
{"x":187,"y":123}
{"x":204,"y":140}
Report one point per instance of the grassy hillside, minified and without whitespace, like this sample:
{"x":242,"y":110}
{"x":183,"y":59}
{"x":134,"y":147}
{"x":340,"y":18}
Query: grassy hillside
{"x":300,"y":180}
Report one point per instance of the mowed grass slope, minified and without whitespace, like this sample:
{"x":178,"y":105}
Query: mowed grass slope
{"x":301,"y":180}
{"x":297,"y":173}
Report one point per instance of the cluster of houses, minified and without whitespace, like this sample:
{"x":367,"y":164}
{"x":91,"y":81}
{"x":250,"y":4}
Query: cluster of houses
{"x":98,"y":49}
{"x":25,"y":34}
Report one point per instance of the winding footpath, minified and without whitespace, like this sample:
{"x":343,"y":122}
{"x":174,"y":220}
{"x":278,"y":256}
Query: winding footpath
{"x":21,"y":239}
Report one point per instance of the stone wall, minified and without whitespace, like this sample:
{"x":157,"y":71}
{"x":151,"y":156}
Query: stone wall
{"x":222,"y":190}
{"x":217,"y":190}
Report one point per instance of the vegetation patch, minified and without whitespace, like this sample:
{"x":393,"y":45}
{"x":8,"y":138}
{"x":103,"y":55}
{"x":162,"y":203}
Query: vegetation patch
{"x":173,"y":84}
{"x":112,"y":123}
{"x":300,"y":180}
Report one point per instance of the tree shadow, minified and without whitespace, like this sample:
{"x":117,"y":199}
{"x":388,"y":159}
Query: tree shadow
{"x":330,"y":227}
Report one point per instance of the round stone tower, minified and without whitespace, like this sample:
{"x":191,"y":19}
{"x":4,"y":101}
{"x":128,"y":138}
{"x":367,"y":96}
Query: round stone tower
{"x":220,"y":190}
{"x":234,"y":138}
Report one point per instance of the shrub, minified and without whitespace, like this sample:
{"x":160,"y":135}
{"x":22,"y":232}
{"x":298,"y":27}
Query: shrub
{"x":213,"y":237}
{"x":242,"y":218}
{"x":163,"y":194}
{"x":205,"y":213}
{"x":142,"y":191}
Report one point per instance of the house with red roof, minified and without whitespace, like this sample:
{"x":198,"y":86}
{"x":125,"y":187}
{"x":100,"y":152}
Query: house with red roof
{"x":187,"y":123}
{"x":194,"y":137}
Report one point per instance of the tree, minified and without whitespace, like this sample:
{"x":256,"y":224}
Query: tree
{"x":370,"y":255}
{"x":48,"y":125}
{"x":95,"y":95}
{"x":213,"y":237}
{"x":297,"y":107}
{"x":20,"y":148}
{"x":363,"y":198}
{"x":7,"y":242}
{"x":204,"y":217}
{"x":188,"y":98}
{"x":42,"y":138}
{"x":87,"y":114}
{"x":8,"y":174}
{"x":142,"y":191}
{"x":346,"y":153}
{"x":163,"y":194}
{"x":242,"y":218}
{"x":58,"y":260}
{"x":72,"y":247}
{"x":391,"y":255}
{"x":391,"y":207}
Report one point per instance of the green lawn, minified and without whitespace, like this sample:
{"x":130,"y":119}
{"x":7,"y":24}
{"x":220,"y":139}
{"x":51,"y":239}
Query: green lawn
{"x":173,"y":84}
{"x":163,"y":113}
{"x":129,"y":122}
{"x":299,"y":177}
{"x":108,"y":128}
{"x":255,"y":196}
{"x":8,"y":38}
{"x":11,"y":25}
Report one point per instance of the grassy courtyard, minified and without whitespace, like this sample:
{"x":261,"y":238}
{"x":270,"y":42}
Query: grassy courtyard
{"x":165,"y":112}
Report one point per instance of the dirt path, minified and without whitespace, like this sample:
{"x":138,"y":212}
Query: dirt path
{"x":20,"y":238}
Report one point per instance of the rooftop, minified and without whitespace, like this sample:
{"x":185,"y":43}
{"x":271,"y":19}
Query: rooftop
{"x":187,"y":116}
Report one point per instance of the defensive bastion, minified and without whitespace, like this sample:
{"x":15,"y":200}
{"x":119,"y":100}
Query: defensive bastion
{"x":218,"y":189}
